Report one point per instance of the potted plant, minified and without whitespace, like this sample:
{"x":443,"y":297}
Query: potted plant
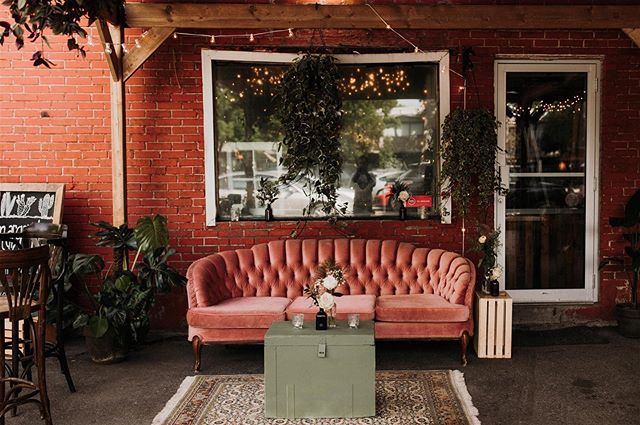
{"x":488,"y":244}
{"x":118,"y":317}
{"x":628,"y":314}
{"x":469,"y":153}
{"x":400,"y":194}
{"x":310,"y":110}
{"x":267,"y":195}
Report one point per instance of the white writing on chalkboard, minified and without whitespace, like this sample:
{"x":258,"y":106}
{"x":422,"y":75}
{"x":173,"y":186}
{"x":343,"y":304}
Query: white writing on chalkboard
{"x":19,"y":206}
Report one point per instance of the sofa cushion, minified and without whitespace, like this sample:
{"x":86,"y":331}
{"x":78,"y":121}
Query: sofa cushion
{"x":364,"y":305}
{"x":420,"y":308}
{"x":239,"y":313}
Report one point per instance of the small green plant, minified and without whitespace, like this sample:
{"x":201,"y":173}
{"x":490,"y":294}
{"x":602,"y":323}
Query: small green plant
{"x":267,"y":192}
{"x":122,"y":305}
{"x":488,"y":244}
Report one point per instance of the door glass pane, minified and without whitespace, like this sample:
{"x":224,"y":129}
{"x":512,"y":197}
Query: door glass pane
{"x":546,"y":136}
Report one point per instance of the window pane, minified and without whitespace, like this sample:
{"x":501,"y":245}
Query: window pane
{"x":390,"y":132}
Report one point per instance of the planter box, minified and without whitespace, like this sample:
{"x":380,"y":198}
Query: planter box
{"x":319,"y":374}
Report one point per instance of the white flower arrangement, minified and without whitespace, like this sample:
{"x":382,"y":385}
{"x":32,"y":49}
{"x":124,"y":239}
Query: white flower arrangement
{"x":327,"y":279}
{"x":495,"y":273}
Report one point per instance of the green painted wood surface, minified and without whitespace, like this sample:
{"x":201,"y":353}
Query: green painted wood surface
{"x":299,"y":383}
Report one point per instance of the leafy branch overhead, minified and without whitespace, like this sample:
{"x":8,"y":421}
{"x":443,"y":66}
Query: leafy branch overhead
{"x":310,"y":109}
{"x":33,"y":18}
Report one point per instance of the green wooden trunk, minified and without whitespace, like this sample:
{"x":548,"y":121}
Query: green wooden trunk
{"x":319,"y":374}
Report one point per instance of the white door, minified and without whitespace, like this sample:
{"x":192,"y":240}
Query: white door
{"x":549,"y":115}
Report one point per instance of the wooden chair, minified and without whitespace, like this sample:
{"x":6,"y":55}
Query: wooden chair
{"x":23,"y":274}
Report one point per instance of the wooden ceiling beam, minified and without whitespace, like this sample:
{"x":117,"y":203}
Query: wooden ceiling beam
{"x":402,"y":17}
{"x":634,"y":34}
{"x":149,"y":44}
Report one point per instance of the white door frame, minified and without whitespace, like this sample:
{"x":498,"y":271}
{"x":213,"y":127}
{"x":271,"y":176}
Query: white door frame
{"x":589,"y":293}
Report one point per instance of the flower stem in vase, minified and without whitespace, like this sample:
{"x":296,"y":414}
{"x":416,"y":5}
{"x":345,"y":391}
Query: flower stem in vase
{"x":331,"y":317}
{"x":403,"y":211}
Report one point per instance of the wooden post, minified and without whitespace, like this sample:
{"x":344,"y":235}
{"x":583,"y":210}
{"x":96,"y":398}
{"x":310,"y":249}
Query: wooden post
{"x":118,"y":134}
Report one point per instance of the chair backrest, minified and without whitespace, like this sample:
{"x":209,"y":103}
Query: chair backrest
{"x":23,"y":274}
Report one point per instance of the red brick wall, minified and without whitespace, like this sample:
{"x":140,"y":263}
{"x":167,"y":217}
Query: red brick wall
{"x":165,"y":147}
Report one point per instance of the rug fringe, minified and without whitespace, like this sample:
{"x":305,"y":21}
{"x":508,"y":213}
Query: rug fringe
{"x":457,"y":380}
{"x":173,"y":402}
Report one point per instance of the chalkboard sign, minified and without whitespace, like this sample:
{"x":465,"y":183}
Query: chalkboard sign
{"x":24,"y":203}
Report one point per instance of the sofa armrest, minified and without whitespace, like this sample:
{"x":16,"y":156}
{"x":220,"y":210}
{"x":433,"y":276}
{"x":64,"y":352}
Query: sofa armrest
{"x":206,"y":282}
{"x":457,"y":278}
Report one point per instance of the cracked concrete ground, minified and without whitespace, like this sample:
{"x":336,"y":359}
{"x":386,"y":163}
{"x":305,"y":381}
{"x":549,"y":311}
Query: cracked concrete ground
{"x":588,"y":384}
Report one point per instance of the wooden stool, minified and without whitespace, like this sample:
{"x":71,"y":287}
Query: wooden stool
{"x":24,"y":273}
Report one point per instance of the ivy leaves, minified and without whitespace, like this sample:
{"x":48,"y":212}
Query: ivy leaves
{"x":33,"y":17}
{"x":469,"y":149}
{"x":310,"y":110}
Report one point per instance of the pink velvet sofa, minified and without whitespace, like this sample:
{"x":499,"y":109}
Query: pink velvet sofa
{"x":411,"y":293}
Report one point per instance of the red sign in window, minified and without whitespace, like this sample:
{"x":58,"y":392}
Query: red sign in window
{"x":420,"y":201}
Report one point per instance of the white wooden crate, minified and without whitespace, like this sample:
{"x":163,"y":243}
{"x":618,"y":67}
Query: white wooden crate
{"x":493,"y":326}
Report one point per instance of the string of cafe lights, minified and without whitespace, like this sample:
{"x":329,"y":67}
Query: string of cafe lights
{"x":557,"y":106}
{"x":251,"y":36}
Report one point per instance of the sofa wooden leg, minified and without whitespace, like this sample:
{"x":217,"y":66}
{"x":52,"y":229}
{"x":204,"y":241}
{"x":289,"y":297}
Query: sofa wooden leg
{"x":196,"y":343}
{"x":464,"y":342}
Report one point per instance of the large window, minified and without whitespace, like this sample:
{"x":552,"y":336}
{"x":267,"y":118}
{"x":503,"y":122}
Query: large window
{"x":392,"y":115}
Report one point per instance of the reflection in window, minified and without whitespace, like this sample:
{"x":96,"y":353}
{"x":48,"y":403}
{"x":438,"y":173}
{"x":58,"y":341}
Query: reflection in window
{"x":390,"y":132}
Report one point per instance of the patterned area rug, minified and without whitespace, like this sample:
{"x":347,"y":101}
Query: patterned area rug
{"x":432,"y":397}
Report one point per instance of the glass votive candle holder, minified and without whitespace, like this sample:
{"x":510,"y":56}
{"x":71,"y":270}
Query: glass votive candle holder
{"x":297,"y":320}
{"x":353,"y":320}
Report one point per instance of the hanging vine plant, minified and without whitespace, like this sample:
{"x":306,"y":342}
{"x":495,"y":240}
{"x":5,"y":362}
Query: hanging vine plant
{"x":469,"y":151}
{"x":310,"y":110}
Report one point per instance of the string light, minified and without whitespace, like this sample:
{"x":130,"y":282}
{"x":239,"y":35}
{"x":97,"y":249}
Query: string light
{"x":252,"y":38}
{"x":290,"y":32}
{"x":573,"y":104}
{"x":175,"y":35}
{"x":124,"y":48}
{"x":416,"y":49}
{"x":138,"y":45}
{"x":107,"y":48}
{"x":213,"y":39}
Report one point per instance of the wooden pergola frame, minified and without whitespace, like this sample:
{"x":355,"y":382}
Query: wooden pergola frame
{"x":162,"y":19}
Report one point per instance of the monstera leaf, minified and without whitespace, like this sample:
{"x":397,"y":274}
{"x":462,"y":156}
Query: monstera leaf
{"x":152,"y":233}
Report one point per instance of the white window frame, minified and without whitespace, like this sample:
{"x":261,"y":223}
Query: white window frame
{"x":589,"y":293}
{"x":208,"y":56}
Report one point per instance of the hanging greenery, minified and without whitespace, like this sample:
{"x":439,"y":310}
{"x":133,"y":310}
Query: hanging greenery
{"x":31,"y":18}
{"x":469,"y":153}
{"x":310,"y":110}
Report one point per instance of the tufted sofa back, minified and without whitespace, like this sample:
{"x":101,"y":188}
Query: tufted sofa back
{"x":282,"y":268}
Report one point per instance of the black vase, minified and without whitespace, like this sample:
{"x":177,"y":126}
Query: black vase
{"x":494,"y":288}
{"x":268,"y":213}
{"x":403,"y":212}
{"x":321,"y":320}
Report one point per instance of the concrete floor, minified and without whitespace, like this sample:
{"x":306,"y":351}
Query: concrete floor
{"x":595,"y":384}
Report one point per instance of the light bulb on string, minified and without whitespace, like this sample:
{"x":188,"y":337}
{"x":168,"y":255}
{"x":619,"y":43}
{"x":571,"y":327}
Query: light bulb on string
{"x":416,"y":50}
{"x":252,"y":38}
{"x":124,"y":48}
{"x":107,"y":48}
{"x":175,"y":35}
{"x":290,"y":32}
{"x":212,"y":40}
{"x":138,"y":45}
